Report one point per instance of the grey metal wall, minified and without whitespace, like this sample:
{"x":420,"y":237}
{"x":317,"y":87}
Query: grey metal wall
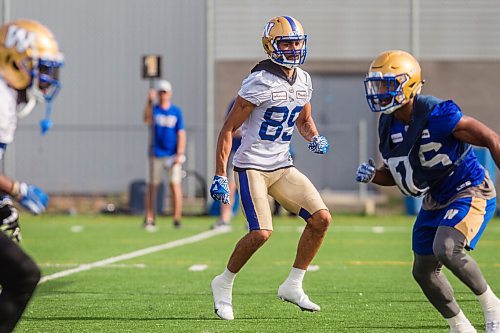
{"x":98,"y":143}
{"x":359,"y":29}
{"x":339,"y":111}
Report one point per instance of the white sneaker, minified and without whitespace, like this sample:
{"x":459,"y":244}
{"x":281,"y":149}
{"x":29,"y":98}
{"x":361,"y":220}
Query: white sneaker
{"x":295,"y":294}
{"x":149,"y":225}
{"x":493,"y":327}
{"x":221,"y":225}
{"x":492,"y":319}
{"x":223,"y":298}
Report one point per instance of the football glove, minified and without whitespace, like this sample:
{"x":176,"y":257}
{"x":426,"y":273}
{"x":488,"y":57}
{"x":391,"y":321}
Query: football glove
{"x":30,"y":197}
{"x":366,"y":172}
{"x":319,"y":144}
{"x":9,"y":219}
{"x":219,"y":191}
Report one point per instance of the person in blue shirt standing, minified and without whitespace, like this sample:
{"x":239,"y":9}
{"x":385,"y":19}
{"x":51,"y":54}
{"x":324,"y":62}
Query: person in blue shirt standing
{"x":167,"y":150}
{"x":425,"y":144}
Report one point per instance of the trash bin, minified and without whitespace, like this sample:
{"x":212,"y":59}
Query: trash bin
{"x":214,"y":209}
{"x":484,"y":157}
{"x":413,"y":205}
{"x":137,"y":197}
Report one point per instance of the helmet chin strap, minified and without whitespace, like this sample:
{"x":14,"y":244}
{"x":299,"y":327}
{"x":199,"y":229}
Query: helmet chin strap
{"x":32,"y":99}
{"x":28,"y":107}
{"x":289,"y":66}
{"x":46,"y":123}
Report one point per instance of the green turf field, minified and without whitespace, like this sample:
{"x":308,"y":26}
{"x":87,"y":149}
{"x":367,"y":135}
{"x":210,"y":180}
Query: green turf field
{"x":363,"y":284}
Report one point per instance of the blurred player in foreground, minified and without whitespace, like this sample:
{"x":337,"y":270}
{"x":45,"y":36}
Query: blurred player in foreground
{"x":426,"y":143}
{"x":29,"y":66}
{"x":272,"y":100}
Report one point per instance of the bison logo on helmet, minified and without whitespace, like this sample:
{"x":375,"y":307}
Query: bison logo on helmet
{"x":267,"y":29}
{"x":20,"y":38}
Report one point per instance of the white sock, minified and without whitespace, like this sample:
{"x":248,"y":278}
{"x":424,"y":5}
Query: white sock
{"x":460,"y":320}
{"x":488,"y":300}
{"x":228,"y":276}
{"x":296,"y":276}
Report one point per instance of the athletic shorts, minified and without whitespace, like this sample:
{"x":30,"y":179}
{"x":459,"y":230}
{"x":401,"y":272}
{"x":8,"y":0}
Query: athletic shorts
{"x":468,"y":214}
{"x":174,"y":171}
{"x":288,"y":186}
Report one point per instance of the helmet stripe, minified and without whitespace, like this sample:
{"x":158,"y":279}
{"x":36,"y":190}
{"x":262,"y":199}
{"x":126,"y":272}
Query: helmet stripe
{"x":291,"y":21}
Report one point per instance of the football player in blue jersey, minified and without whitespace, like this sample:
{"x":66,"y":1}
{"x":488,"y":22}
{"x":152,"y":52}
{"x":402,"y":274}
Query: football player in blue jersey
{"x":29,"y":65}
{"x":425,"y":144}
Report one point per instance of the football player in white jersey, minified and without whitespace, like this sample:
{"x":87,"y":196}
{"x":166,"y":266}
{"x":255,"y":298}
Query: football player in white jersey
{"x":272,"y":100}
{"x":29,"y":64}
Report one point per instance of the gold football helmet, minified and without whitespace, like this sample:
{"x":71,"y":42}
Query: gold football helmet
{"x":29,"y":62}
{"x":393,"y":79}
{"x":284,"y":41}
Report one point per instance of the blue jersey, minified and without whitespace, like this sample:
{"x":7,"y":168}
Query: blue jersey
{"x":440,"y":163}
{"x":166,"y":125}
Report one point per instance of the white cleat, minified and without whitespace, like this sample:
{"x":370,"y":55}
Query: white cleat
{"x":458,"y":329}
{"x":222,"y":294}
{"x":295,"y":294}
{"x":493,"y":327}
{"x":492,"y":319}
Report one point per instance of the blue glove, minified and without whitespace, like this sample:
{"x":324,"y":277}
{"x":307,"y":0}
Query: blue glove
{"x":366,"y":172}
{"x":219,"y":191}
{"x":31,"y":197}
{"x":319,"y":144}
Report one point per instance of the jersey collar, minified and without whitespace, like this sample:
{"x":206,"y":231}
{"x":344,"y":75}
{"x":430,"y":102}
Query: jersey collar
{"x":275,"y":69}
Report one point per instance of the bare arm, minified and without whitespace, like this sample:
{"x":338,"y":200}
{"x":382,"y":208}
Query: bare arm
{"x":6,"y":184}
{"x":473,"y":131}
{"x":181,"y":146}
{"x":148,"y":109}
{"x":305,"y":123}
{"x":239,"y":113}
{"x":383,"y":177}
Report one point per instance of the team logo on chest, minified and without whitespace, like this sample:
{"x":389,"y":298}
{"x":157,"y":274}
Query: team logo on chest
{"x":397,"y":137}
{"x":301,"y":94}
{"x":166,"y":121}
{"x":279,"y":96}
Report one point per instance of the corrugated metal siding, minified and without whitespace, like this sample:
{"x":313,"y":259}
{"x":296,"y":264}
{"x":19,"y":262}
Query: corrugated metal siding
{"x":460,"y":29}
{"x":99,"y":142}
{"x":359,"y":29}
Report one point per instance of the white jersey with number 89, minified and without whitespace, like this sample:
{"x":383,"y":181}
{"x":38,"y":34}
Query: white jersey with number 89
{"x":267,"y":132}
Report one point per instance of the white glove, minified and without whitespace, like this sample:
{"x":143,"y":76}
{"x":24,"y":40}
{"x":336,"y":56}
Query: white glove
{"x":366,"y":172}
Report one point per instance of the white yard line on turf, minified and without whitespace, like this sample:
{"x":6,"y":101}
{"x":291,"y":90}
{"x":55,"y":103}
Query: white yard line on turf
{"x":134,"y":254}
